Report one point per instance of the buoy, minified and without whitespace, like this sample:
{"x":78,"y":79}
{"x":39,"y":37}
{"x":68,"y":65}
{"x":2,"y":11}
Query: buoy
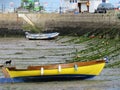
{"x":59,"y":68}
{"x":42,"y":70}
{"x":75,"y":67}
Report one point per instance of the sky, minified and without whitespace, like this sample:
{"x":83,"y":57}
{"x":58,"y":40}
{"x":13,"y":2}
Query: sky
{"x":114,"y":2}
{"x":50,"y":5}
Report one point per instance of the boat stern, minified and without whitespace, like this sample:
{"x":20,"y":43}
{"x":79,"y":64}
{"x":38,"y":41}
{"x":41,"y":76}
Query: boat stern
{"x":6,"y":72}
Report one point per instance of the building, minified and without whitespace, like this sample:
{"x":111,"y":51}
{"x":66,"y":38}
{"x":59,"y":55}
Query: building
{"x":82,"y":5}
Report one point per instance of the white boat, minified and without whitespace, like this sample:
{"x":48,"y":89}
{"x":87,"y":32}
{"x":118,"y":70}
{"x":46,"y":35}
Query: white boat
{"x":41,"y":36}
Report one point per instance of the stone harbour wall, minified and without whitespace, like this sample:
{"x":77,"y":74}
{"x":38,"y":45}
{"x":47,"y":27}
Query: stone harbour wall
{"x":63,"y":23}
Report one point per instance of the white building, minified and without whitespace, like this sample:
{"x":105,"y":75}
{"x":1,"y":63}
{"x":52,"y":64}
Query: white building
{"x":82,"y":5}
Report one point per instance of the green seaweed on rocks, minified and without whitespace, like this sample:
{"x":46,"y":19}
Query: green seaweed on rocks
{"x":97,"y":48}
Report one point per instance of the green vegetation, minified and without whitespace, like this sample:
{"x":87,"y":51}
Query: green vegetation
{"x":31,"y":5}
{"x":32,"y":29}
{"x":78,"y":40}
{"x":97,"y":48}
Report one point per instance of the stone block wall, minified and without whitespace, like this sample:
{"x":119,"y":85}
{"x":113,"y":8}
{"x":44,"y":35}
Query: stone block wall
{"x":63,"y":23}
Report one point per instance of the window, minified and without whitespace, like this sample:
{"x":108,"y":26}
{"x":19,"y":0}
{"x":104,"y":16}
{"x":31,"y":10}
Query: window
{"x":73,"y":1}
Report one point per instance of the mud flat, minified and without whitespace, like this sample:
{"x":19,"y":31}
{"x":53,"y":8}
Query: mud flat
{"x":32,"y":52}
{"x":25,"y":52}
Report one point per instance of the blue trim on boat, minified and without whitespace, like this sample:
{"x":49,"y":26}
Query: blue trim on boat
{"x":45,"y":78}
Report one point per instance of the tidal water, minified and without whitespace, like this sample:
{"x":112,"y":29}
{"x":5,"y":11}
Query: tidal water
{"x":25,"y":52}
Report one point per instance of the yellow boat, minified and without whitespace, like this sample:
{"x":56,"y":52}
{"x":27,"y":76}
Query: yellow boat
{"x":76,"y":69}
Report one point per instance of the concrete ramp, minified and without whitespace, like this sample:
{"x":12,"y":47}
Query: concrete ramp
{"x":26,"y":19}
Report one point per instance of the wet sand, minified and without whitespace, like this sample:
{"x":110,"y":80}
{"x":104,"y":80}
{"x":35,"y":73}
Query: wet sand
{"x":32,"y":52}
{"x":25,"y":52}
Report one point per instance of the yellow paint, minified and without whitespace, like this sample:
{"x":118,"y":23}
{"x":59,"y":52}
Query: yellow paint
{"x":85,"y":70}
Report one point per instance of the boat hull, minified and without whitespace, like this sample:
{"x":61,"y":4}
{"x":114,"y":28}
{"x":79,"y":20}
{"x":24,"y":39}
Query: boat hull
{"x":54,"y":78}
{"x":85,"y":70}
{"x":45,"y":78}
